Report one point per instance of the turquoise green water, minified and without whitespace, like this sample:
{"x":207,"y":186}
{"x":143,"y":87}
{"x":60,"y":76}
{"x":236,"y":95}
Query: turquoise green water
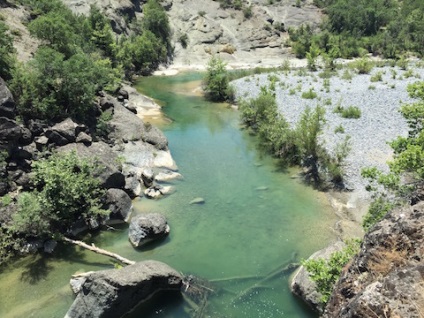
{"x":240,"y":231}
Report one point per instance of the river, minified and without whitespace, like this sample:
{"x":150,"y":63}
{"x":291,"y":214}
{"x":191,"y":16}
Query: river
{"x":257,"y":216}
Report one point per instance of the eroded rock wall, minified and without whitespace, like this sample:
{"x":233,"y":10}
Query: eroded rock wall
{"x":386,"y":279}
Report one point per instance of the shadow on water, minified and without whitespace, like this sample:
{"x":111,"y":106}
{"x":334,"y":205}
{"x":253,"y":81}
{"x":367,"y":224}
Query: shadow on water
{"x":162,"y":304}
{"x":153,"y":245}
{"x":36,"y":270}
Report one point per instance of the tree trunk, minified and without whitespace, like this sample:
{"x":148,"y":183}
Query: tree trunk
{"x":97,"y":250}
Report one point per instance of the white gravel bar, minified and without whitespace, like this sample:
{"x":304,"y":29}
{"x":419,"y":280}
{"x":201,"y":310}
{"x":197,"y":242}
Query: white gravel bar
{"x":379,"y":103}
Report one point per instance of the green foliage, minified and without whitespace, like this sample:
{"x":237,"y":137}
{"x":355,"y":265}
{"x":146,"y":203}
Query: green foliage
{"x":51,"y":87}
{"x":325,"y":273}
{"x":387,"y":27}
{"x":248,"y":12}
{"x":362,"y":66}
{"x":309,"y":94}
{"x":377,"y":77}
{"x":309,"y":127}
{"x":261,"y":114}
{"x":301,"y":39}
{"x":351,"y":112}
{"x":183,"y":39}
{"x":393,"y":188}
{"x":216,"y":81}
{"x":7,"y":51}
{"x":298,"y":145}
{"x":66,"y":191}
{"x":143,"y":53}
{"x":377,"y":210}
{"x":99,"y":32}
{"x":339,"y":129}
{"x":56,"y":31}
{"x":103,"y":128}
{"x":156,"y":21}
{"x":311,"y":57}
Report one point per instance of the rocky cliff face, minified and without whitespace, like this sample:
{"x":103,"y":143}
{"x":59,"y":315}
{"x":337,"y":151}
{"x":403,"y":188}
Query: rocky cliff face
{"x":238,"y":39}
{"x":209,"y":29}
{"x":386,"y":279}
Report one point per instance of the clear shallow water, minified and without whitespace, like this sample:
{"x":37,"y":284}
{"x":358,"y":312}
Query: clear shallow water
{"x":240,"y":231}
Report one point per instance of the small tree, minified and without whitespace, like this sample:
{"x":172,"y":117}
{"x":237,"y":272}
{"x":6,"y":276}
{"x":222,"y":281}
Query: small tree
{"x":216,"y":80}
{"x":66,"y":191}
{"x":6,"y":53}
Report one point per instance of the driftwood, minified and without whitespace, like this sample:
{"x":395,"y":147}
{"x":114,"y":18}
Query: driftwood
{"x":280,"y":270}
{"x":97,"y":250}
{"x":233,"y":278}
{"x":196,"y":292}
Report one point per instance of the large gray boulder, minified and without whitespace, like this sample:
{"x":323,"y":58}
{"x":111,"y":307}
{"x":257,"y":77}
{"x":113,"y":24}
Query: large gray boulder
{"x":147,"y":228}
{"x":113,"y":293}
{"x":10,"y":132}
{"x":302,"y":285}
{"x":108,"y":173}
{"x":64,"y":132}
{"x":128,"y":127}
{"x":7,"y":104}
{"x":119,"y":204}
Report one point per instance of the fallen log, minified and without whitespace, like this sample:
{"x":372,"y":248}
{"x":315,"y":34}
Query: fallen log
{"x":101,"y":251}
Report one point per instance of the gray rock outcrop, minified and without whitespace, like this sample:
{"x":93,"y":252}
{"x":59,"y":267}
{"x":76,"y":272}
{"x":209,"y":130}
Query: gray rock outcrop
{"x":119,"y":204}
{"x":147,"y":228}
{"x":7,"y":104}
{"x":386,"y":278}
{"x":302,"y":285}
{"x":113,"y":293}
{"x":116,"y":11}
{"x":108,"y":173}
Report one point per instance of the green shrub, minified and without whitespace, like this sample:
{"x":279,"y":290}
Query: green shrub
{"x":183,"y":39}
{"x":349,"y":112}
{"x":325,"y":273}
{"x":215,"y":83}
{"x":347,"y":75}
{"x":362,"y":66}
{"x":309,"y":94}
{"x":377,"y":77}
{"x":51,"y":87}
{"x":67,"y":191}
{"x":248,"y":12}
{"x":7,"y":52}
{"x":339,"y":129}
{"x":377,"y":210}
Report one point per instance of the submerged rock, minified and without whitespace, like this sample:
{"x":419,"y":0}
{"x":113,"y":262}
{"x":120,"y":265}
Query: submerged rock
{"x":146,"y":228}
{"x":113,"y":293}
{"x":198,"y":200}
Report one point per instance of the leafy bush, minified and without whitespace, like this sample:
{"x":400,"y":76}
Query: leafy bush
{"x":6,"y":53}
{"x":339,"y":129}
{"x":325,"y":273}
{"x":66,"y":191}
{"x":377,"y":210}
{"x":362,"y":66}
{"x":352,"y":112}
{"x":377,"y":77}
{"x":215,"y":83}
{"x":183,"y":39}
{"x":53,"y":88}
{"x":309,"y":94}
